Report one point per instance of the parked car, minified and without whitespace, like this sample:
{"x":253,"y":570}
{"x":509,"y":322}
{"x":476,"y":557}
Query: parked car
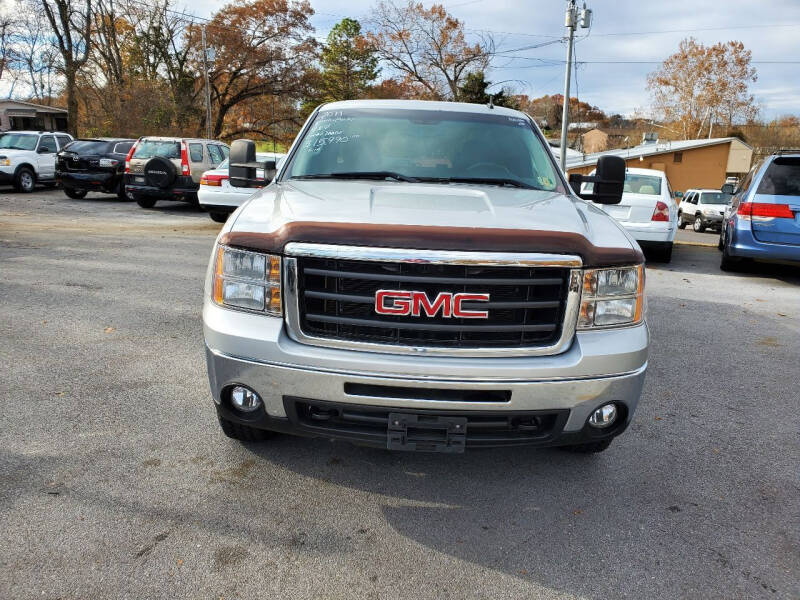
{"x":763,"y":222}
{"x":647,"y":211}
{"x":167,"y":168}
{"x":29,"y":157}
{"x":703,"y":209}
{"x":93,"y":165}
{"x":219,"y":197}
{"x":420,"y":276}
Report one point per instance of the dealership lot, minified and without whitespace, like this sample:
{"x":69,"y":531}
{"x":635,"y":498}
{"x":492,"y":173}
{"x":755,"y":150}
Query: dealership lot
{"x":116,"y":482}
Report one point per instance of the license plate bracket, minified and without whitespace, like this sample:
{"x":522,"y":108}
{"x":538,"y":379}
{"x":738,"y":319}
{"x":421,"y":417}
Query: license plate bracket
{"x":426,"y":433}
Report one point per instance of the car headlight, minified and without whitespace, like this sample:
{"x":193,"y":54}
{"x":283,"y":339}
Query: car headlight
{"x":612,"y":297}
{"x":247,"y":280}
{"x":5,"y":162}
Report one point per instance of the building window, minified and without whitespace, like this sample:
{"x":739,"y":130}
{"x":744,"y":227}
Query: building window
{"x":677,"y":157}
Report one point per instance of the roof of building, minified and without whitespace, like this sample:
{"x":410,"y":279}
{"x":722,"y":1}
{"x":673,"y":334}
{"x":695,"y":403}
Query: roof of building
{"x":40,"y":107}
{"x":648,"y":150}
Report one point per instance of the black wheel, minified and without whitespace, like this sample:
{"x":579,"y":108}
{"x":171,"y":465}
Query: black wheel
{"x":588,"y":448}
{"x":719,"y":243}
{"x":681,"y":223}
{"x":75,"y":193}
{"x":124,"y":194}
{"x":25,"y":180}
{"x":729,"y":263}
{"x":219,"y":217}
{"x":698,"y":224}
{"x":146,"y":202}
{"x":666,"y":254}
{"x":243,"y":433}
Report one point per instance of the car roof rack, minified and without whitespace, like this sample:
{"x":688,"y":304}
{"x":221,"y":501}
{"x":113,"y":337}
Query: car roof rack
{"x":788,"y":151}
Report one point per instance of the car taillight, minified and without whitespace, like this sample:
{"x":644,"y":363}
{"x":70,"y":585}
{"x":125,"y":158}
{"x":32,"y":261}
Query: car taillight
{"x":130,"y":155}
{"x":661,"y":212}
{"x":213,"y":180}
{"x":184,"y":159}
{"x":764,"y":209}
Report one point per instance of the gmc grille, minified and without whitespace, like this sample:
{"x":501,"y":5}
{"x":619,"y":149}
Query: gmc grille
{"x":336,"y":300}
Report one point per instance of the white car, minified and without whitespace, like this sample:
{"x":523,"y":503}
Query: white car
{"x":704,"y":209}
{"x":219,"y":197}
{"x":29,"y":157}
{"x":647,"y":211}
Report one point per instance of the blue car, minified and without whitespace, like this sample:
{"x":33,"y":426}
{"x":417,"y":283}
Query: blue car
{"x":763,"y":221}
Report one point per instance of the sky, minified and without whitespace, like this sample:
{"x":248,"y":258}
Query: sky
{"x":623,"y":30}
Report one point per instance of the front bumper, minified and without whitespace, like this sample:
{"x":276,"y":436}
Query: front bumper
{"x":6,"y":176}
{"x":253,"y":350}
{"x":92,"y":181}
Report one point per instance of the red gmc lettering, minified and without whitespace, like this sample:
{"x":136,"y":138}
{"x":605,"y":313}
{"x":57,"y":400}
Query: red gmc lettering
{"x":401,"y":302}
{"x":469,"y":314}
{"x":415,"y":303}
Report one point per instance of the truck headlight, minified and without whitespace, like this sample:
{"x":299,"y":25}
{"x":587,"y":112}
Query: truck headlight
{"x":247,"y":280}
{"x":612,"y":297}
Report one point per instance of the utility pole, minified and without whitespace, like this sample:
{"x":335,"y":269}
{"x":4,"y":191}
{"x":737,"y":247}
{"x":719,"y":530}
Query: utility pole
{"x":571,"y":22}
{"x":208,"y":87}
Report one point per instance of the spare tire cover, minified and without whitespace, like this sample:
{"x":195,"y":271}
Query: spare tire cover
{"x":160,"y":172}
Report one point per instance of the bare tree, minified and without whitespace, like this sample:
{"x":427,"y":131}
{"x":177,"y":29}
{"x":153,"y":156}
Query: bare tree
{"x":428,"y":47}
{"x":698,"y":86}
{"x":71,"y":24}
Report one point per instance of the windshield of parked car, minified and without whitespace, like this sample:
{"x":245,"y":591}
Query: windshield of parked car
{"x":642,"y":184}
{"x":715,"y":198}
{"x":87,"y":146}
{"x":18,"y":141}
{"x":151,"y":148}
{"x":424,"y":145}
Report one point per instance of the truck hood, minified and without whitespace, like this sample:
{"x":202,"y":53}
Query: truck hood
{"x":429,"y":216}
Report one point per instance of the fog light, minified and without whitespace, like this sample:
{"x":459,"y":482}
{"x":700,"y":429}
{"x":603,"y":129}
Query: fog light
{"x":245,"y":399}
{"x":603,"y":417}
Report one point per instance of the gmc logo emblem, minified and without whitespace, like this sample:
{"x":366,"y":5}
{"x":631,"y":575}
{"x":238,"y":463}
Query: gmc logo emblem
{"x":409,"y":303}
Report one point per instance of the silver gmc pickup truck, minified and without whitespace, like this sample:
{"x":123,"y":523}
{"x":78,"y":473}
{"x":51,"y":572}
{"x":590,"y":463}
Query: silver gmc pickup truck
{"x":421,"y":276}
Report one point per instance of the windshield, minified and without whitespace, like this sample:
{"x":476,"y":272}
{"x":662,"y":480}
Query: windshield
{"x":642,"y":184}
{"x":151,"y":148}
{"x":715,"y":198}
{"x":18,"y":141}
{"x":782,"y":177}
{"x":87,"y":146}
{"x":420,"y":145}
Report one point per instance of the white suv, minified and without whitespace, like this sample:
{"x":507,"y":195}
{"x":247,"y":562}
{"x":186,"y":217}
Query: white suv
{"x":28,"y":157}
{"x":703,"y":209}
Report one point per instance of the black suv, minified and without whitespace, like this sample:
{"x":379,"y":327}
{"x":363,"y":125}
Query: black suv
{"x":93,"y":165}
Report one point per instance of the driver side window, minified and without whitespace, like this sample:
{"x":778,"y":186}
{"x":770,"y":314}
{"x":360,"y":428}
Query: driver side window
{"x":47,"y":144}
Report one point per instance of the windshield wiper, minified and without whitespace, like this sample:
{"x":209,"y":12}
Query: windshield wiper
{"x":359,"y":175}
{"x":486,"y":180}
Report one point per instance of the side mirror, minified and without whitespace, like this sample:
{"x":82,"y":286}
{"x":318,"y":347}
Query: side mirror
{"x":608,"y":180}
{"x":243,"y":169}
{"x":727,"y":188}
{"x":44,"y":150}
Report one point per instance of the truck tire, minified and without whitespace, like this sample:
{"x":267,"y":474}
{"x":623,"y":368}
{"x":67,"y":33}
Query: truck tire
{"x":25,"y":180}
{"x":588,"y":448}
{"x":243,"y":433}
{"x":124,"y":194}
{"x":75,"y":193}
{"x":698,"y":224}
{"x":681,"y":222}
{"x":218,"y":217}
{"x":146,"y":202}
{"x":729,"y":263}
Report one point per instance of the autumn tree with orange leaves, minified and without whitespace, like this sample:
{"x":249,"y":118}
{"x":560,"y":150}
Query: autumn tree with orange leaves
{"x":428,"y":48}
{"x":700,"y":86}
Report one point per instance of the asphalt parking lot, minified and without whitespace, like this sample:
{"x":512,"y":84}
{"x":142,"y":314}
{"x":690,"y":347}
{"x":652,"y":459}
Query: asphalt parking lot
{"x":116,"y":482}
